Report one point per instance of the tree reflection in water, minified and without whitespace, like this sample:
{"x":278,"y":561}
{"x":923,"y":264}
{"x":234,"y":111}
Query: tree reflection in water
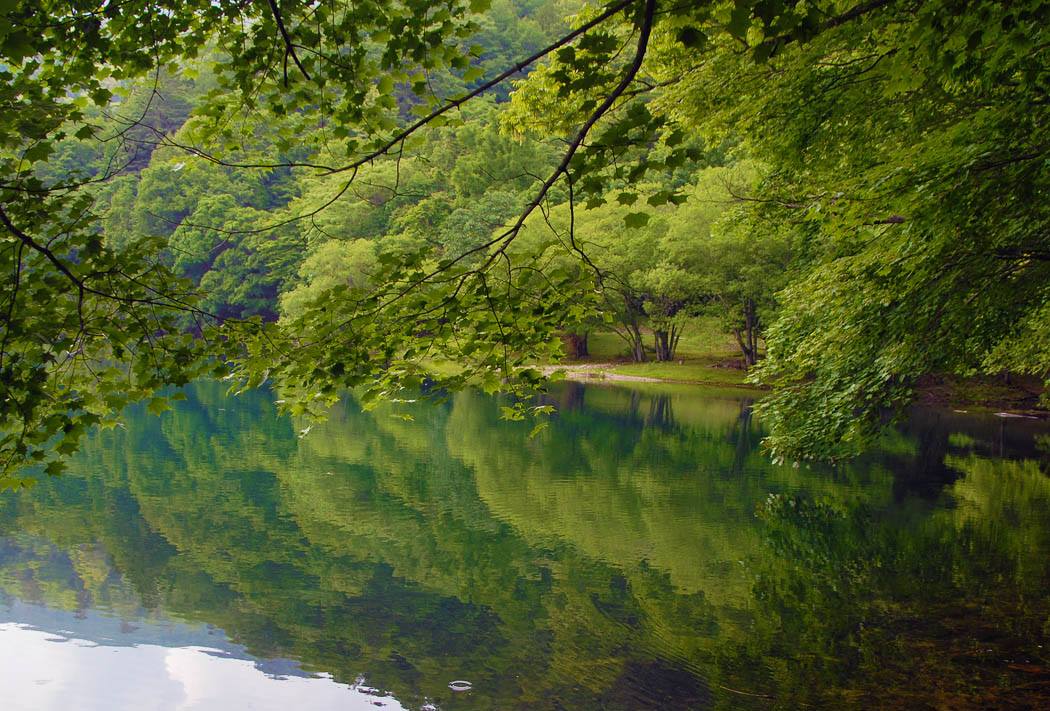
{"x":641,"y":552}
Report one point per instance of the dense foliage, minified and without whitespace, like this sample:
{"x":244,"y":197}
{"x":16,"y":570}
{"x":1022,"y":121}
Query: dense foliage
{"x":390,"y":195}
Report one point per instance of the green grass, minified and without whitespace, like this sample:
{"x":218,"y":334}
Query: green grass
{"x":605,"y":346}
{"x":704,"y":339}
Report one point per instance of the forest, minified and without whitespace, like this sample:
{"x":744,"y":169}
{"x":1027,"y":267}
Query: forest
{"x":406,"y":199}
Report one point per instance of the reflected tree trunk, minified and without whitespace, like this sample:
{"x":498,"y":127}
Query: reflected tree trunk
{"x":570,"y":397}
{"x":741,"y":435}
{"x":661,"y":413}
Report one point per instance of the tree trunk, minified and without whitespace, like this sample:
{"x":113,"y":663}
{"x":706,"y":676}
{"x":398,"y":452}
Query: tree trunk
{"x":664,"y":349}
{"x":747,"y":338}
{"x":575,"y":344}
{"x":637,"y":345}
{"x":666,"y":343}
{"x":752,"y":330}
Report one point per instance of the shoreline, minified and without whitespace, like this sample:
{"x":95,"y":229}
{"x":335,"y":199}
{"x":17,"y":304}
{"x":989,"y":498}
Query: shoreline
{"x":1003,"y":397}
{"x":612,"y":371}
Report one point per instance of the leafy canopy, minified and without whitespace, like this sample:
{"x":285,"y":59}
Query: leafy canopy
{"x":906,"y":145}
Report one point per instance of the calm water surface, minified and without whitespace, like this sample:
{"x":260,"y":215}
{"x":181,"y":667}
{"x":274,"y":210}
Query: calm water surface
{"x":640,"y":553}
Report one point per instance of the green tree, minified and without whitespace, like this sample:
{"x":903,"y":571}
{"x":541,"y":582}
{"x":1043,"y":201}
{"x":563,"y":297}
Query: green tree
{"x":336,"y":263}
{"x":906,"y":142}
{"x":739,"y":259}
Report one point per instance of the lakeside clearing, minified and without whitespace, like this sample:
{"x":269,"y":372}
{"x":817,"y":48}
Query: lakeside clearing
{"x":705,"y":356}
{"x":709,"y":358}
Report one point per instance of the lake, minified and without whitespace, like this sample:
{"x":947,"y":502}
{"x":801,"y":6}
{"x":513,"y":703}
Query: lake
{"x":640,"y":552}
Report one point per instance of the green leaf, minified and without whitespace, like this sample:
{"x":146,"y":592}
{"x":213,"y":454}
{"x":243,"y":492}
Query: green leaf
{"x":633,"y":220}
{"x":158,"y":405}
{"x":692,"y":37}
{"x":39,"y":152}
{"x":740,"y":19}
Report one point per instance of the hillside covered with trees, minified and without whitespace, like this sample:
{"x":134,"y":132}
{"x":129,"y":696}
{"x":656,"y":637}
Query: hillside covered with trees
{"x":425,"y":196}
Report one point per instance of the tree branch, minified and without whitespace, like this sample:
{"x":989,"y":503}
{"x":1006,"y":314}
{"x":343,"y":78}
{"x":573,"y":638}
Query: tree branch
{"x":505,"y":238}
{"x":289,"y":47}
{"x":399,"y":138}
{"x":854,"y":13}
{"x":81,"y":284}
{"x":612,"y":10}
{"x":581,"y":135}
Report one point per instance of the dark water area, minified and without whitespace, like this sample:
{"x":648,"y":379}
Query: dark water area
{"x":639,"y":553}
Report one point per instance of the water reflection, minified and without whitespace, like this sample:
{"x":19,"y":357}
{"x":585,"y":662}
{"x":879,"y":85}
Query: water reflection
{"x":641,"y":552}
{"x":147,"y":665}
